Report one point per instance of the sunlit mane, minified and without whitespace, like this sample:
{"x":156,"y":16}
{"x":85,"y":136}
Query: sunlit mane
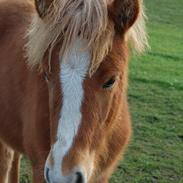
{"x":67,"y":19}
{"x":137,"y":35}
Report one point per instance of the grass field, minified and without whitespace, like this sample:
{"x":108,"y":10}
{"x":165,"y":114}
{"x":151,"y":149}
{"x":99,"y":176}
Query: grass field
{"x":155,"y":154}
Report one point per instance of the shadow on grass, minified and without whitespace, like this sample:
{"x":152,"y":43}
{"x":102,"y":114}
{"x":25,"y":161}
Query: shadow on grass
{"x":165,"y":56}
{"x":160,"y":84}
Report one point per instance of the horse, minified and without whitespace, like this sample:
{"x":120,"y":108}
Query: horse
{"x":63,"y":86}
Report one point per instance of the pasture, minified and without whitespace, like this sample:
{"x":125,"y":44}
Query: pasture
{"x":155,"y":154}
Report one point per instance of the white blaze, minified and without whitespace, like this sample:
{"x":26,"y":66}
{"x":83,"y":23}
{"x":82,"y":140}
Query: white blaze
{"x":73,"y":69}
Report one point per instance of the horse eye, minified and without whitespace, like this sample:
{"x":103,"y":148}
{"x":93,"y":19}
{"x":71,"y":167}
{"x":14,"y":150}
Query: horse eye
{"x":109,"y":83}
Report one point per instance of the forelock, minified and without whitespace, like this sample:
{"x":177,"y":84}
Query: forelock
{"x":66,"y":20}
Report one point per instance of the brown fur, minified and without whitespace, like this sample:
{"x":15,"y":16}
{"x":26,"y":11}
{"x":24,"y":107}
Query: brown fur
{"x":9,"y":164}
{"x":30,"y":106}
{"x":6,"y":160}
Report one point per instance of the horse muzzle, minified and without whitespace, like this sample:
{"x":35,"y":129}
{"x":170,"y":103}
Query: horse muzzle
{"x":76,"y":176}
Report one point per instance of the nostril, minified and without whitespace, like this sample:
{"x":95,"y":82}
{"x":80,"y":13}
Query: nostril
{"x":47,"y":175}
{"x":80,"y":178}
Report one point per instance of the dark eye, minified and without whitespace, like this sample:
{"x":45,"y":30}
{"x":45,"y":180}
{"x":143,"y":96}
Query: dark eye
{"x":46,"y":76}
{"x":109,"y":83}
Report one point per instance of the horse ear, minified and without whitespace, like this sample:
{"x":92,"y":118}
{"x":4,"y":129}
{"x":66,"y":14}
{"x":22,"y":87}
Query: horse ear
{"x":123,"y":13}
{"x":42,"y":6}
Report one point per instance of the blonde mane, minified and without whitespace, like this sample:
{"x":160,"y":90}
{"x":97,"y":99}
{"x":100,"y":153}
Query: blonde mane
{"x":66,"y":19}
{"x":137,"y":35}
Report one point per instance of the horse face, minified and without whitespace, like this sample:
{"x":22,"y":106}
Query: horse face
{"x":84,"y":109}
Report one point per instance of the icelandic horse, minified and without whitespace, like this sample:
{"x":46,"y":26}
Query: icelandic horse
{"x":63,"y":86}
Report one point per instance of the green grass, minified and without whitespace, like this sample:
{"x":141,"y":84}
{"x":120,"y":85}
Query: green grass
{"x":155,"y":154}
